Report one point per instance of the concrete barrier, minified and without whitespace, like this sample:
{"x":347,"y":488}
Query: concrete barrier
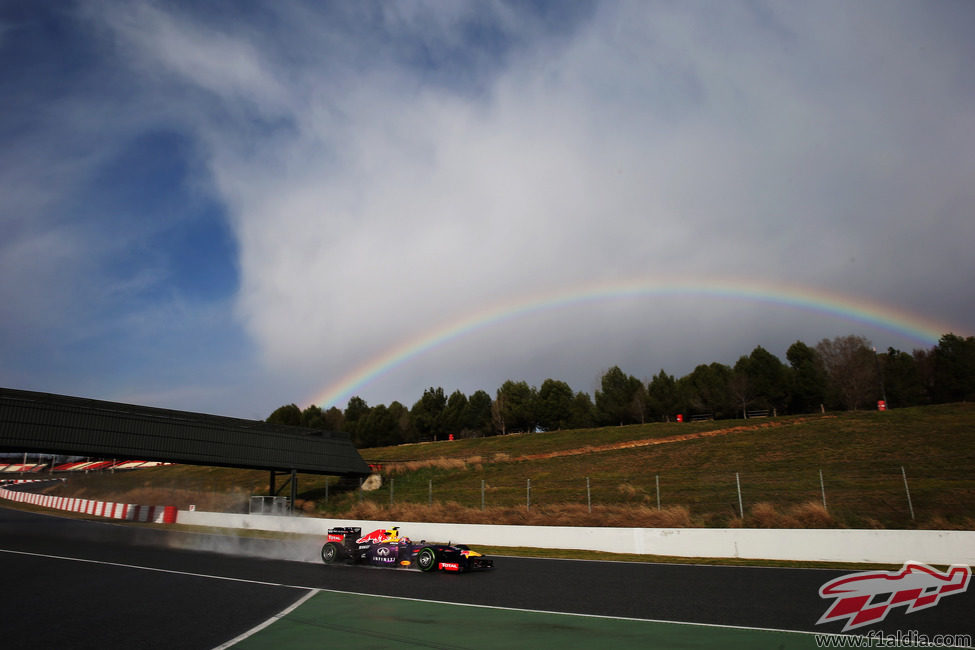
{"x":818,"y":545}
{"x":815,"y":545}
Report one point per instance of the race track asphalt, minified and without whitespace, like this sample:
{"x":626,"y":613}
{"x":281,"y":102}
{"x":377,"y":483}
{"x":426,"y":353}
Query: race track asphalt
{"x":156,"y":588}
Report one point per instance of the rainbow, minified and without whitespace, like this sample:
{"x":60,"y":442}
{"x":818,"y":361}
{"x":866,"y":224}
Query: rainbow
{"x":901,"y":322}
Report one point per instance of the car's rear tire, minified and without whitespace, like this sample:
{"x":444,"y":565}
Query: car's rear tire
{"x":331,"y":553}
{"x":426,"y":559}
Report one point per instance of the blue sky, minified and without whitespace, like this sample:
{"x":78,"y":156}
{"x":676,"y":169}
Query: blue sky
{"x":226,"y":207}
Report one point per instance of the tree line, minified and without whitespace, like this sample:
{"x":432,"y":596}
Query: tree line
{"x":841,"y":373}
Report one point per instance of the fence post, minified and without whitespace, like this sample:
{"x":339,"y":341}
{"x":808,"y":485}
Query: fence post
{"x":822,"y":487}
{"x":482,"y":494}
{"x":657,"y":476}
{"x":430,"y":493}
{"x":908,"y":490}
{"x":588,"y":495}
{"x":741,"y":507}
{"x":528,"y":495}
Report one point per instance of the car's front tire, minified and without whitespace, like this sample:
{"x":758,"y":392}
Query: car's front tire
{"x":331,"y":553}
{"x":426,"y":559}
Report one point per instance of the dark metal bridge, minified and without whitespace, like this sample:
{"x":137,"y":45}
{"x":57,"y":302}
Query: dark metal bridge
{"x":46,"y":423}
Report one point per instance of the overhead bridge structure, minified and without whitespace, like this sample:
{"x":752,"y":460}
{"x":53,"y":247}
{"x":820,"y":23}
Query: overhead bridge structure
{"x":58,"y":424}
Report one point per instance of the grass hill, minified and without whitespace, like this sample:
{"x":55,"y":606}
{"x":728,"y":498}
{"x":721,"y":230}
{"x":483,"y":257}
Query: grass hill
{"x":610,"y":476}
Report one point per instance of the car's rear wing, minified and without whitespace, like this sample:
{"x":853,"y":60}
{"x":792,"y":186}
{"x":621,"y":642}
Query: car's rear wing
{"x":344,"y":533}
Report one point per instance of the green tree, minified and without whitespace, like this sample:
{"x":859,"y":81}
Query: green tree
{"x":404,"y":423}
{"x":313,"y":418}
{"x":622,"y":399}
{"x":554,"y":405}
{"x":514,"y":408}
{"x":334,"y":419}
{"x":289,"y":415}
{"x":760,"y":380}
{"x":479,"y":414}
{"x":582,"y":413}
{"x":707,"y":390}
{"x":377,"y":429}
{"x":356,"y":413}
{"x":428,"y":414}
{"x":663,"y":397}
{"x":455,"y":414}
{"x":900,"y":379}
{"x":808,"y":380}
{"x":924,"y":361}
{"x":954,"y":369}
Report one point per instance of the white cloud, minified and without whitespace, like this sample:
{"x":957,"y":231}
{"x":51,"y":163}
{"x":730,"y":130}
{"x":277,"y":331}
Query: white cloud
{"x":654,"y":141}
{"x":377,"y":188}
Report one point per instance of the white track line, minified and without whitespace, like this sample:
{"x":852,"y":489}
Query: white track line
{"x":149,"y":568}
{"x":274,"y":619}
{"x":576,"y":614}
{"x":254,"y":630}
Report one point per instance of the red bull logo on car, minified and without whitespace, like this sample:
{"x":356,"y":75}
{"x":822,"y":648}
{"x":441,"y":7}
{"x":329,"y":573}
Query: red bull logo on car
{"x":867,"y":597}
{"x":380,"y":535}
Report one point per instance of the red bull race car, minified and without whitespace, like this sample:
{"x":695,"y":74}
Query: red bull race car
{"x":385,"y":548}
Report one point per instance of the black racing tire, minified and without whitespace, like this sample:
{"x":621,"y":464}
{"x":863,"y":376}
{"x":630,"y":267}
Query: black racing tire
{"x":331,"y":553}
{"x":426,"y":559}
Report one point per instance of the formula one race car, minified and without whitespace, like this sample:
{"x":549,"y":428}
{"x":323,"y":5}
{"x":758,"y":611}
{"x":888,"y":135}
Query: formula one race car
{"x":385,"y":548}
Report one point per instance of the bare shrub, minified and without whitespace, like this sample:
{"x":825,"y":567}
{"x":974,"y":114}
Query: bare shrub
{"x":670,"y":517}
{"x":405,"y":467}
{"x":764,"y":515}
{"x":939,"y":522}
{"x":627,"y":490}
{"x":810,"y":514}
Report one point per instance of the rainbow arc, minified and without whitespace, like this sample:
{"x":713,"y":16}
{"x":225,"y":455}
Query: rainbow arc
{"x":921,"y":329}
